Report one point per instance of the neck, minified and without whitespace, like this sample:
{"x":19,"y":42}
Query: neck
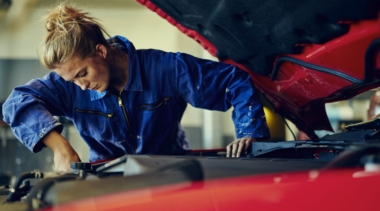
{"x":119,"y":73}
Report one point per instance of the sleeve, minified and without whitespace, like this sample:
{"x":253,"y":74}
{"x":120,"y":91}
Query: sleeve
{"x":218,"y":86}
{"x":30,"y":109}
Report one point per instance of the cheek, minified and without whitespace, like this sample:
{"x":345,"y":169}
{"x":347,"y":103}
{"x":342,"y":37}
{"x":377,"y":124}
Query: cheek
{"x":102,"y":75}
{"x":101,"y":71}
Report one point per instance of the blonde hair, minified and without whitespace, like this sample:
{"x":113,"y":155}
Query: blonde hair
{"x":71,"y":32}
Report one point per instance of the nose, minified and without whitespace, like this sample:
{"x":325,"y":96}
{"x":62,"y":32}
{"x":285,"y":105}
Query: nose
{"x":83,"y":87}
{"x":83,"y":84}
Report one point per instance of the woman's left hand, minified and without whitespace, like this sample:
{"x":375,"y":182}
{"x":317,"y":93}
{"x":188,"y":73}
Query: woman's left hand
{"x":238,"y":146}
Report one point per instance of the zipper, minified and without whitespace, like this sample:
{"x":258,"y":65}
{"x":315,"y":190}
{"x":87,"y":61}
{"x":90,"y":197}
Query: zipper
{"x":127,"y":121}
{"x":94,"y":112}
{"x":145,"y":106}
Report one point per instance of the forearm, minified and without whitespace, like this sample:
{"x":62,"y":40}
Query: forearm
{"x":248,"y":114}
{"x":56,"y":142}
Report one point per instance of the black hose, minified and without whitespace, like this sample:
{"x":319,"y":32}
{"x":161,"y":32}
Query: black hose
{"x":16,"y":186}
{"x":352,"y":158}
{"x":39,"y":190}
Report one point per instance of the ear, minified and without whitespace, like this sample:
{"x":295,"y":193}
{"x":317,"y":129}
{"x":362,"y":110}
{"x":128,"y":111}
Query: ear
{"x":101,"y":50}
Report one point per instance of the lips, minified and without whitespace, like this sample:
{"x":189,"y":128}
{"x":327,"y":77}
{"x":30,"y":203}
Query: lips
{"x":95,"y":87}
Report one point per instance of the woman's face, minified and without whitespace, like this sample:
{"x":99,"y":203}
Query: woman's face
{"x":89,"y":73}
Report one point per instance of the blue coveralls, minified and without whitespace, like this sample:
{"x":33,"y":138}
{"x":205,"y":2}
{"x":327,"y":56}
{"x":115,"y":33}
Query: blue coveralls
{"x":145,"y":118}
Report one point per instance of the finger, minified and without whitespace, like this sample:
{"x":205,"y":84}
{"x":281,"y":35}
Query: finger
{"x":228,"y":149}
{"x":247,"y":143}
{"x":234,"y":148}
{"x":240,"y":148}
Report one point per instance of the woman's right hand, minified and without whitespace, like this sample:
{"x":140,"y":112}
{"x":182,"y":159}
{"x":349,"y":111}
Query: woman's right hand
{"x":64,"y":154}
{"x":62,"y":160}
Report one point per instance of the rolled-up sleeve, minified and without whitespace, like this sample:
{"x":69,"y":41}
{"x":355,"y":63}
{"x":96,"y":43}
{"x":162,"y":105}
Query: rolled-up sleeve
{"x":30,"y":111}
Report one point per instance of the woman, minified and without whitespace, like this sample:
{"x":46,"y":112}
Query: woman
{"x":123,"y":100}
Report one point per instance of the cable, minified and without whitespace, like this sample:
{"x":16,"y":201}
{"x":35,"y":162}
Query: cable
{"x":287,"y":125}
{"x":282,"y":117}
{"x":27,"y":175}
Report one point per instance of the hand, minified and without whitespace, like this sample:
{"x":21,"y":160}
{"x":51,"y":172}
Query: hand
{"x":373,"y":103}
{"x":235,"y":148}
{"x":64,"y":154}
{"x":62,"y":160}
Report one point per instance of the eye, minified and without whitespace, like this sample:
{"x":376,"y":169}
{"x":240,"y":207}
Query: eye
{"x":83,"y":74}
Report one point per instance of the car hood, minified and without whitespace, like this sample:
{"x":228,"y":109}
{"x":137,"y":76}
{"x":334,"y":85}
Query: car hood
{"x":312,"y":190}
{"x":300,"y":54}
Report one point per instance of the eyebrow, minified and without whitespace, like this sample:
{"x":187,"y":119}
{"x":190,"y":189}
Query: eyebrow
{"x":78,"y":73}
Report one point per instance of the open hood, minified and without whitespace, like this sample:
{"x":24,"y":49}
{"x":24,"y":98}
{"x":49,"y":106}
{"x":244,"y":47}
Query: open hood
{"x":300,"y":54}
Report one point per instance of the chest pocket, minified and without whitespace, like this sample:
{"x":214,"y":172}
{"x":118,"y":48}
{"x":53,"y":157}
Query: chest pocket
{"x":95,"y":123}
{"x":156,"y":119}
{"x":94,"y":112}
{"x":153,"y":106}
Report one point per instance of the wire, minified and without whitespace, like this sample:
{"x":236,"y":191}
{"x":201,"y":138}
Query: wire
{"x":287,"y":125}
{"x":283,"y":118}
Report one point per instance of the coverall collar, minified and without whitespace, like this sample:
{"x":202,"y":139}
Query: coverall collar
{"x":134,"y":79}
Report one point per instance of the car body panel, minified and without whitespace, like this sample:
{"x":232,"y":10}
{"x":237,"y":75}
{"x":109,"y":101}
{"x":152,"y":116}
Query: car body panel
{"x":346,"y":189}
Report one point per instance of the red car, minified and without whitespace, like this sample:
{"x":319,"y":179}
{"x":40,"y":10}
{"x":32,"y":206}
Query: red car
{"x":301,"y":54}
